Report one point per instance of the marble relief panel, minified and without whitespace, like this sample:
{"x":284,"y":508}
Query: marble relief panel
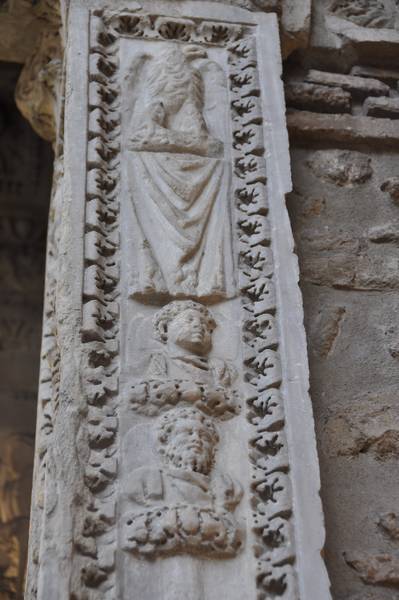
{"x":188,"y":471}
{"x":177,"y":166}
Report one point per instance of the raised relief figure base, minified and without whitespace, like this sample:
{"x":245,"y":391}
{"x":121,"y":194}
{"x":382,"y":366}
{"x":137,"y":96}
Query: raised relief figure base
{"x":176,"y":457}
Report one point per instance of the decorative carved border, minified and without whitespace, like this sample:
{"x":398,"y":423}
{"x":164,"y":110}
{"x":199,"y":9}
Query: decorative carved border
{"x":271,"y":486}
{"x":96,"y":535}
{"x":271,"y":489}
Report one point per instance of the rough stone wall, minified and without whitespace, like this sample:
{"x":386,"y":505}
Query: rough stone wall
{"x":25,"y":177}
{"x":346,"y":234}
{"x":342,"y":98}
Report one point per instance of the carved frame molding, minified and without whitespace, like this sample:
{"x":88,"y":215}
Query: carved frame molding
{"x":271,"y":486}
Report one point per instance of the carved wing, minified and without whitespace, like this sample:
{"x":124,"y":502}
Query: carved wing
{"x":215,"y":99}
{"x":135,"y":87}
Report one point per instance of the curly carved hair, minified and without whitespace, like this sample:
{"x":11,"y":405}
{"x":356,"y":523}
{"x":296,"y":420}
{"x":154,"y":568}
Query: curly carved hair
{"x":169,"y":312}
{"x":170,"y":418}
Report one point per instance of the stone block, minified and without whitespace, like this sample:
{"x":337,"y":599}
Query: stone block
{"x":358,"y":86}
{"x":391,"y":186}
{"x":296,"y":24}
{"x":388,"y":76}
{"x":364,"y":13}
{"x":343,"y":39}
{"x":318,"y":98}
{"x":384,"y":234}
{"x":305,"y":126}
{"x":378,"y":569}
{"x":19,"y":31}
{"x":385,"y":108}
{"x":364,"y":428}
{"x":327,"y":329}
{"x":341,"y":167}
{"x":389,"y":524}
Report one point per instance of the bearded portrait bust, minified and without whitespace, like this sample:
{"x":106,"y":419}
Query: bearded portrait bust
{"x":185,"y":505}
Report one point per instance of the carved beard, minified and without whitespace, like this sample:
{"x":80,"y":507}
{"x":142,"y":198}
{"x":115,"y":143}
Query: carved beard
{"x":190,"y":459}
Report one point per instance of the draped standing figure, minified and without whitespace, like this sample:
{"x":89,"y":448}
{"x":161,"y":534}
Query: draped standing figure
{"x":179,"y":177}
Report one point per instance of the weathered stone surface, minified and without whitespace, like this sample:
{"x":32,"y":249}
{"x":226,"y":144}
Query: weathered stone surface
{"x":185,"y":255}
{"x":342,"y":40}
{"x":364,"y":428}
{"x":384,"y":108}
{"x":389,"y":523}
{"x":327,"y":328}
{"x":296,"y":21}
{"x":365,"y":40}
{"x":389,"y":76}
{"x":385,"y":234}
{"x":305,"y":126}
{"x":365,"y":270}
{"x":358,"y":86}
{"x":309,"y":96}
{"x":380,"y":569}
{"x":19,"y":31}
{"x":341,"y":167}
{"x":368,"y":595}
{"x":21,"y":25}
{"x":391,"y":186}
{"x":346,"y":328}
{"x":366,"y":13}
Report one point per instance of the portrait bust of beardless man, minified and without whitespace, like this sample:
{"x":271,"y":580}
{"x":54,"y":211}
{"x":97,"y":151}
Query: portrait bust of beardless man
{"x":185,"y":328}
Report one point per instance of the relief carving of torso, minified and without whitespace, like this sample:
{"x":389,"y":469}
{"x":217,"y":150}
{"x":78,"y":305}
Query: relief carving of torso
{"x":180,"y":507}
{"x":184,"y":504}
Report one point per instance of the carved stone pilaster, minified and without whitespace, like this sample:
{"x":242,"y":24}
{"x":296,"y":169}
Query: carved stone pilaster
{"x":172,"y":395}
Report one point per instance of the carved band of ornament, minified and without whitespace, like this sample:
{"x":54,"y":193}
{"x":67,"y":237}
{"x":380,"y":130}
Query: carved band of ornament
{"x":49,"y":390}
{"x":154,"y":396}
{"x":155,"y":27}
{"x":96,"y":540}
{"x":271,"y":488}
{"x":216,"y":534}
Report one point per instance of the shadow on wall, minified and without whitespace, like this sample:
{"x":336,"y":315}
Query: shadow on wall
{"x":25,"y":182}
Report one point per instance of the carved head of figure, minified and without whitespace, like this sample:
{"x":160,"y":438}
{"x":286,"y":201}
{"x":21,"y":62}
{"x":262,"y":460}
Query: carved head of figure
{"x":185,"y":324}
{"x":188,"y":439}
